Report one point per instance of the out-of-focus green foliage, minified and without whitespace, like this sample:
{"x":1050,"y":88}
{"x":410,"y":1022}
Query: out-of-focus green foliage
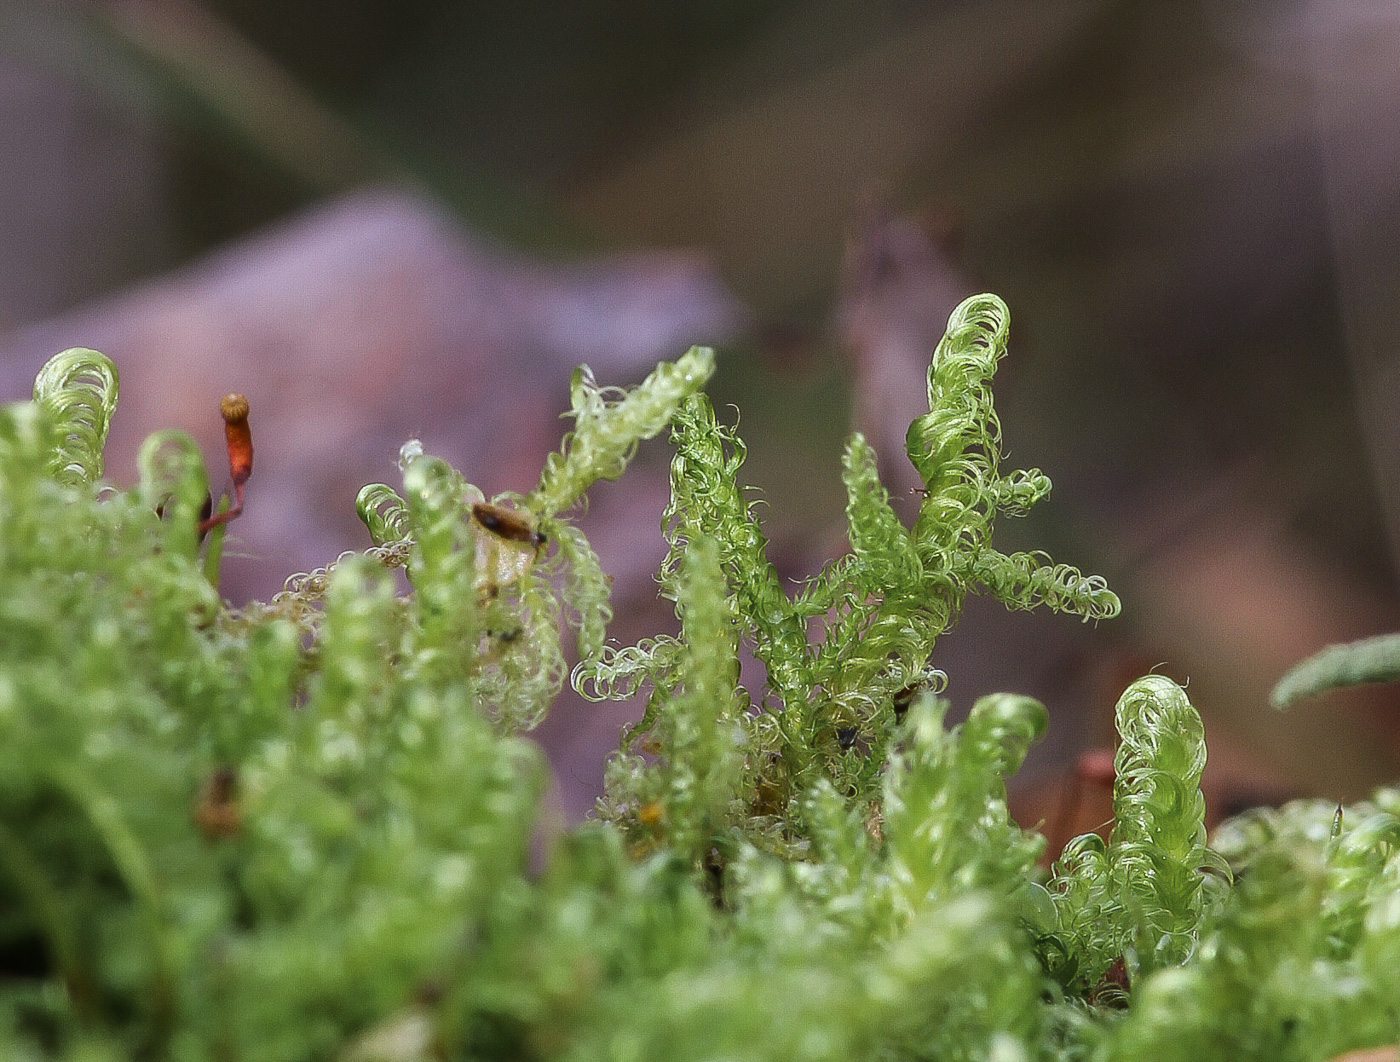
{"x":1348,"y":664}
{"x":302,"y":830}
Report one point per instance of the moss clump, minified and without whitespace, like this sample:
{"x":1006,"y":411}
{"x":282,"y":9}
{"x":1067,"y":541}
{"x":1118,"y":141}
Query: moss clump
{"x":300,"y":830}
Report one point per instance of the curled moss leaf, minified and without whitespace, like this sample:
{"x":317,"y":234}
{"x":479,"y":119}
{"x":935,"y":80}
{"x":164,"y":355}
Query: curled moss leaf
{"x":688,"y":798}
{"x":702,"y":739}
{"x":956,"y":444}
{"x":587,"y":589}
{"x":617,"y":673}
{"x":442,"y":564}
{"x":880,"y":543}
{"x":1141,"y":897}
{"x":1088,"y":911}
{"x":707,"y":501}
{"x":1027,"y":580}
{"x":1002,"y":727}
{"x":354,"y":688}
{"x":844,"y":853}
{"x":302,"y":595}
{"x":383,"y":512}
{"x":1017,"y":492}
{"x":523,"y":665}
{"x":77,"y":388}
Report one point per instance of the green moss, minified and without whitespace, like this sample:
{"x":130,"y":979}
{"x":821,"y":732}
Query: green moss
{"x":301,"y":830}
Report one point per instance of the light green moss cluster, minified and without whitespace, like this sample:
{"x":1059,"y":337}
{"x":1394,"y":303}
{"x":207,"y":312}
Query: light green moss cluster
{"x":846,"y":655}
{"x":303,"y":830}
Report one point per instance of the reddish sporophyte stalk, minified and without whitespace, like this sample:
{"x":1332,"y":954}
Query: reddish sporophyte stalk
{"x":234,"y":409}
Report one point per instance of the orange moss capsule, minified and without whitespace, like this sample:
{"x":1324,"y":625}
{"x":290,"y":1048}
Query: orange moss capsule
{"x":234,"y":409}
{"x":650,"y":813}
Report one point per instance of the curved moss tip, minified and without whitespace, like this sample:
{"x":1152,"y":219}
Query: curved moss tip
{"x":1348,"y":664}
{"x":383,"y":512}
{"x":956,"y":449}
{"x":1160,"y":732}
{"x":77,"y":389}
{"x":1159,"y":836}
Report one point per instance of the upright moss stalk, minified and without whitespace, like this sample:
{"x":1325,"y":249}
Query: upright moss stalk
{"x":845,"y":655}
{"x":1139,"y":899}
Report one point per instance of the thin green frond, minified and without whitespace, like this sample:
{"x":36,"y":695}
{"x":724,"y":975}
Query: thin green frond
{"x":608,"y":424}
{"x":1349,"y":664}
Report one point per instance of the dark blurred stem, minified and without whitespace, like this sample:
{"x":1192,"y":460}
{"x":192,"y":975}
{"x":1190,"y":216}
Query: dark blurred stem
{"x":198,"y":62}
{"x":202,"y":58}
{"x":1355,"y":102}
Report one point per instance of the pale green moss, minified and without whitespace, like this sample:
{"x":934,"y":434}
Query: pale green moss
{"x":301,"y":830}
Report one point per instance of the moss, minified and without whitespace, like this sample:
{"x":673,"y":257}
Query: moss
{"x":300,"y":830}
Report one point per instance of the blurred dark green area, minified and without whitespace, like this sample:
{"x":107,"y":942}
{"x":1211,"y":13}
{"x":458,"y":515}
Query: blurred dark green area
{"x":1179,"y":202}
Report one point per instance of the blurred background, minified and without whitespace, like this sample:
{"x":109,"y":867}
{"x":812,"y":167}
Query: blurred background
{"x":383,"y":219}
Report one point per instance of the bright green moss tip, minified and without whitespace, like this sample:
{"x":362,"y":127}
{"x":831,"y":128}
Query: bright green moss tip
{"x":308,"y":830}
{"x":78,"y":390}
